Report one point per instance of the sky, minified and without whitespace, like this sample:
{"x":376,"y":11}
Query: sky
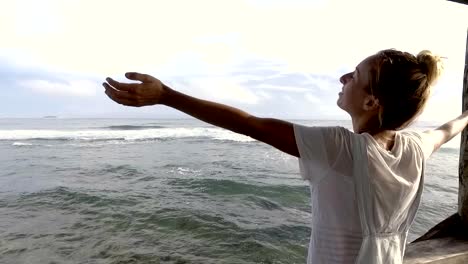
{"x":271,"y":58}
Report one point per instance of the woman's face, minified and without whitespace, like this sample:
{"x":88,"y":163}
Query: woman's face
{"x":353,"y":95}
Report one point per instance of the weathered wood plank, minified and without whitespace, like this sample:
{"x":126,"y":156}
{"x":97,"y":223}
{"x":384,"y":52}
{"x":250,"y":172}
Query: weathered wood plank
{"x":447,"y":250}
{"x":450,"y":227}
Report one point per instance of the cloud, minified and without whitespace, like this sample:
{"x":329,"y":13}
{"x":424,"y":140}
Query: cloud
{"x":258,"y":76}
{"x":442,"y":109}
{"x":289,"y":99}
{"x":249,"y":53}
{"x":83,"y":88}
{"x":281,"y":88}
{"x":42,"y":80}
{"x":309,"y":36}
{"x":222,"y":89}
{"x":312,"y":98}
{"x":264,"y":95}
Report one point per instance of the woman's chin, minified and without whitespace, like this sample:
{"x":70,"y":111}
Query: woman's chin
{"x":338,"y":103}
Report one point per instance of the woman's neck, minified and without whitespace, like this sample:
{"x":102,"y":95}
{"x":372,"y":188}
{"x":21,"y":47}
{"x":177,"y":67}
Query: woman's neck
{"x":365,"y":125}
{"x":385,"y":138}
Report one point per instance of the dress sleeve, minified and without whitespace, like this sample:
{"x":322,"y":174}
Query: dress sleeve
{"x":320,"y":149}
{"x":426,"y":145}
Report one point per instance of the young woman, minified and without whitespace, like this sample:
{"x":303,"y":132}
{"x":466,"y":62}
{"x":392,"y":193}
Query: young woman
{"x":365,"y":185}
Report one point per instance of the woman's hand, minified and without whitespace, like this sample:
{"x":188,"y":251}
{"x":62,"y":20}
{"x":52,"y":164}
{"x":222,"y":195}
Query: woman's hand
{"x":148,"y":92}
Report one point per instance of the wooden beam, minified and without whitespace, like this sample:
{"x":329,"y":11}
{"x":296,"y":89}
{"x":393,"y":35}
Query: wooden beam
{"x":463,"y":162}
{"x":459,"y":1}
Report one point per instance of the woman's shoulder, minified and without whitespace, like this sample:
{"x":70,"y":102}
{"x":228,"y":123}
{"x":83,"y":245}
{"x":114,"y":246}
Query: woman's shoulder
{"x":411,"y":137}
{"x":326,"y":131}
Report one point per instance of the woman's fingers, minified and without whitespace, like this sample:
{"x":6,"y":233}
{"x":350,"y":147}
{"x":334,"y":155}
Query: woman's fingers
{"x":144,"y":78}
{"x":128,"y":87}
{"x":120,"y":97}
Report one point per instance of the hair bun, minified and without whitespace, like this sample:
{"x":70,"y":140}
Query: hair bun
{"x":431,"y":65}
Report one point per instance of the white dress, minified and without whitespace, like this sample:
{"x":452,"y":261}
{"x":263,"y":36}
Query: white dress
{"x":363,"y":197}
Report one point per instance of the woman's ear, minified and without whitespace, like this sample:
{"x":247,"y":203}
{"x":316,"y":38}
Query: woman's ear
{"x":371,"y":103}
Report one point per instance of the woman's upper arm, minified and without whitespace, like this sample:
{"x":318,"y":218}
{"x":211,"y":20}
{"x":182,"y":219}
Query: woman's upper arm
{"x":441,"y":135}
{"x":274,"y":132}
{"x":434,"y":139}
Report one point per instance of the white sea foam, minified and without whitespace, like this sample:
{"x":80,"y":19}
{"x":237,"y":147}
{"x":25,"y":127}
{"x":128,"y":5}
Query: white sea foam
{"x":21,"y":144}
{"x":135,"y":135}
{"x":131,"y":135}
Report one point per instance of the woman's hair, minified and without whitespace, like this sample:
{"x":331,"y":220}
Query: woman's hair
{"x":402,"y":84}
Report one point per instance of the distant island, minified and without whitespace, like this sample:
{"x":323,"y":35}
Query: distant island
{"x":49,"y":117}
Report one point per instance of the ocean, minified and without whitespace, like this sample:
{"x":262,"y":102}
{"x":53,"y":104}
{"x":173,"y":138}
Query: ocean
{"x":166,"y":191}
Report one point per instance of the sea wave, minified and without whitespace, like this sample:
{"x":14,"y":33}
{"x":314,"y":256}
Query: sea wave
{"x":129,"y":127}
{"x":123,"y":134}
{"x":20,"y":144}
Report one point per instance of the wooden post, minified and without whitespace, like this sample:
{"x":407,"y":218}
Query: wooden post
{"x":460,"y":1}
{"x":463,"y":168}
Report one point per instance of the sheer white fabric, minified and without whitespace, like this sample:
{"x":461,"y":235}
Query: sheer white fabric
{"x":363,"y":197}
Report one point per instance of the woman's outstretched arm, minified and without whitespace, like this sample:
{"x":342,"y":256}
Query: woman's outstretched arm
{"x":447,"y":131}
{"x":151,"y":91}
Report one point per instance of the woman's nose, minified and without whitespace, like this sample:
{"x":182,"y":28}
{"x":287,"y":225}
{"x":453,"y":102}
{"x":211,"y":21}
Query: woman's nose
{"x":342,"y":80}
{"x":345,"y":78}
